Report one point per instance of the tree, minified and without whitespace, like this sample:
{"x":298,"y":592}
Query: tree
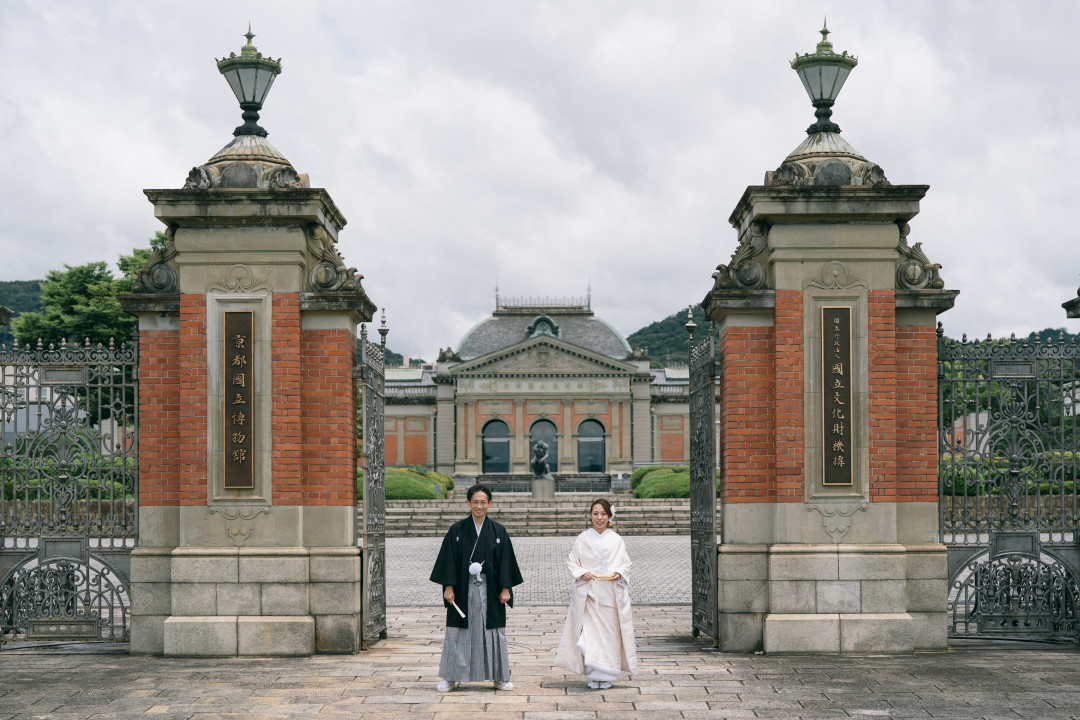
{"x":79,"y":302}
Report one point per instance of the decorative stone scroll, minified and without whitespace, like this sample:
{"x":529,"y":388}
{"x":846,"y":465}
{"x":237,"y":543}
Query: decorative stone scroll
{"x":158,"y":276}
{"x":239,"y":522}
{"x":914,"y":271}
{"x":744,"y":271}
{"x":835,"y":276}
{"x":329,"y":273}
{"x":239,"y":279}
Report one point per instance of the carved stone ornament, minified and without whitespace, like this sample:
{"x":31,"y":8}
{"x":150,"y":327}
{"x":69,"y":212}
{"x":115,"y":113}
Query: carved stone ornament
{"x":158,"y":276}
{"x":239,"y":278}
{"x":825,"y":159}
{"x":329,"y":272}
{"x":744,"y":271}
{"x":248,"y":161}
{"x":239,"y":522}
{"x":835,"y":276}
{"x":914,"y":271}
{"x":837,"y":516}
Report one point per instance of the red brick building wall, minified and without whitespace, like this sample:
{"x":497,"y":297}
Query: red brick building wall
{"x":789,"y":392}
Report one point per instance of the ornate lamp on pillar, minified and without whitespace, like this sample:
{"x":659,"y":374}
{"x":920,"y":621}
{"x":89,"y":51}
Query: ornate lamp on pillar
{"x":823,"y":74}
{"x":247,"y":320}
{"x":250,"y":76}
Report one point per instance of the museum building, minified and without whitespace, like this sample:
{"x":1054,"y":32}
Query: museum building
{"x":538,"y":370}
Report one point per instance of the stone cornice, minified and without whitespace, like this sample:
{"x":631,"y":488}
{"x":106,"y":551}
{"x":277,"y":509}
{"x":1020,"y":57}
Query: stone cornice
{"x":223,"y":206}
{"x":844,"y":203}
{"x":738,"y":300}
{"x":150,"y":303}
{"x":937,"y":300}
{"x":351,"y":301}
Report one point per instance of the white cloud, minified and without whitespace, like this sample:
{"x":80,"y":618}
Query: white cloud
{"x":551,"y":144}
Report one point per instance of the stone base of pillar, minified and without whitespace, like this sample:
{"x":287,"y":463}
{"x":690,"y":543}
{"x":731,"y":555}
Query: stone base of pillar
{"x":797,"y":598}
{"x":224,"y":602}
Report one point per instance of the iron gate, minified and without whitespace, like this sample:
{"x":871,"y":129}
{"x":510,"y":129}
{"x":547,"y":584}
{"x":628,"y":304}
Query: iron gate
{"x":68,"y":491}
{"x":703,"y":519}
{"x":1008,"y":486}
{"x":371,"y":511}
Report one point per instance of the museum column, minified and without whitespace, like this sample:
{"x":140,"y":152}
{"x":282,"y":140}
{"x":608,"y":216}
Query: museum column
{"x":826,"y":319}
{"x":247,"y":409}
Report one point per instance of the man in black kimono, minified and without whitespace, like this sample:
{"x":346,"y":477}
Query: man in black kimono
{"x":476,"y":568}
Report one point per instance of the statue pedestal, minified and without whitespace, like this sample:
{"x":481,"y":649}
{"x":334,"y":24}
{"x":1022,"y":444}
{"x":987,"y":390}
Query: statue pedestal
{"x":543,"y":488}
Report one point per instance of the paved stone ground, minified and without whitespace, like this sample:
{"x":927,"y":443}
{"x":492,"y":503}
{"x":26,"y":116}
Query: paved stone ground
{"x":680,"y":677}
{"x":660,"y":575}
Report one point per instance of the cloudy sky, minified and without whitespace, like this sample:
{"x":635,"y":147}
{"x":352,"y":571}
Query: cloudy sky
{"x":552,"y":145}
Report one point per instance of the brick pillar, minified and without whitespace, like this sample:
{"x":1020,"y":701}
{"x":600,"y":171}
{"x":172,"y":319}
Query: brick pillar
{"x":810,"y":563}
{"x":271,"y":569}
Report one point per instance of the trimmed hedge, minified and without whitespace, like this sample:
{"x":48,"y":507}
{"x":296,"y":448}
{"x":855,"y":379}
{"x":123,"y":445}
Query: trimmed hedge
{"x":668,"y":482}
{"x":664,"y":485}
{"x":410,"y":483}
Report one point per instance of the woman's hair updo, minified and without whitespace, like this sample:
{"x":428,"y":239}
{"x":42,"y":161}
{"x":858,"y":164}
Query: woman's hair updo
{"x":604,"y":504}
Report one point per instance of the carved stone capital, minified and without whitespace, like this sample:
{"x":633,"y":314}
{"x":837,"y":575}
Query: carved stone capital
{"x":158,"y":276}
{"x":835,"y":276}
{"x":914,"y":271}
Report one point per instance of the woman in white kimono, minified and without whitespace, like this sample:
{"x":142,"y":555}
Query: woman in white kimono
{"x":598,"y":637}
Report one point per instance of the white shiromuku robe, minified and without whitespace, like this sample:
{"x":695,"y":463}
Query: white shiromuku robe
{"x":598,"y":637}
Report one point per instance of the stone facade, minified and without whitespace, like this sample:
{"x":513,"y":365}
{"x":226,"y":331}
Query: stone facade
{"x":538,"y":361}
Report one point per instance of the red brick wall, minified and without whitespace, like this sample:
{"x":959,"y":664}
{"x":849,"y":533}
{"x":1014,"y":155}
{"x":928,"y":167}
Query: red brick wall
{"x":192,"y":402}
{"x":286,"y":401}
{"x":416,"y":449}
{"x":746,"y":417}
{"x":159,"y":417}
{"x":881,"y":405}
{"x":789,"y":389}
{"x":328,"y":438}
{"x":916,"y":412}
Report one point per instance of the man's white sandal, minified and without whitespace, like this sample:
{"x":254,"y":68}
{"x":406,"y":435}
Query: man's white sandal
{"x":504,"y":685}
{"x":445,"y":686}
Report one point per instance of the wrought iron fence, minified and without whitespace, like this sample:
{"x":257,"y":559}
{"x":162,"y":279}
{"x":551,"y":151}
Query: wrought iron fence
{"x":1008,"y":471}
{"x":371,"y":511}
{"x":68,"y":490}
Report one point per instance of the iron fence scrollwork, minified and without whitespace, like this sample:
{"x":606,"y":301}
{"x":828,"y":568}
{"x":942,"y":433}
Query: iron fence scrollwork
{"x":68,"y":490}
{"x":703,"y":515}
{"x":371,"y":515}
{"x":1009,"y":506}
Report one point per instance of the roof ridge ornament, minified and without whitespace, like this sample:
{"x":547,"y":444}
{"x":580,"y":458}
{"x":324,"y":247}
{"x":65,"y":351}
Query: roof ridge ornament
{"x":823,"y":74}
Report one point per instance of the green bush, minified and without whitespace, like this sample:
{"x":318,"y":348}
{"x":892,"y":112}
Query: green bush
{"x":405,"y":485}
{"x":637,"y":475}
{"x":664,"y":485}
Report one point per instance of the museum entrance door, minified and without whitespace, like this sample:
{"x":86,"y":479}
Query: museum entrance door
{"x":68,"y":491}
{"x":703,"y":515}
{"x":371,"y":507}
{"x":1008,"y":460}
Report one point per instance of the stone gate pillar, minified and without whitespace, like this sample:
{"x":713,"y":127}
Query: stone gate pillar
{"x":247,"y":413}
{"x":826,"y":319}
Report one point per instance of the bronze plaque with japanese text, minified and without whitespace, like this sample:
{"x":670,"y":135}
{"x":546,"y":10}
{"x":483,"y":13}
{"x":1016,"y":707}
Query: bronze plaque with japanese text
{"x":836,"y":407}
{"x":238,"y":380}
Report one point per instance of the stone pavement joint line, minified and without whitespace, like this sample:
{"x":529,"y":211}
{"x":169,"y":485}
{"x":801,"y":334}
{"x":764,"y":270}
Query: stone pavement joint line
{"x":680,"y":677}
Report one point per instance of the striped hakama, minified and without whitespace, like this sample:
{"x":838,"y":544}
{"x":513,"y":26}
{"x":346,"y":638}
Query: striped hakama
{"x":475,"y":653}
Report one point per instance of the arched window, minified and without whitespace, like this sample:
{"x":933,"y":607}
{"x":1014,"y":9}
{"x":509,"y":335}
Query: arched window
{"x":590,"y":447}
{"x":496,"y":447}
{"x":545,"y":430}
